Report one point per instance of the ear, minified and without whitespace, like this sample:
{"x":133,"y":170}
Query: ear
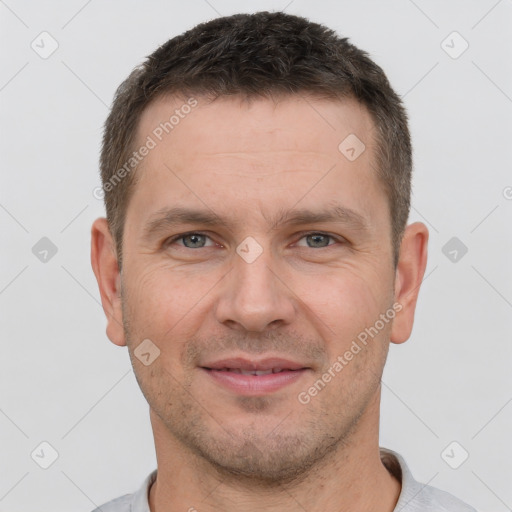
{"x":409,"y":275}
{"x":106,"y":270}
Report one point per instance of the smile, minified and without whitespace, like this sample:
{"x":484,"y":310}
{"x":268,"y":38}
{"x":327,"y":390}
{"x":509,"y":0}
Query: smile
{"x":254,"y":378}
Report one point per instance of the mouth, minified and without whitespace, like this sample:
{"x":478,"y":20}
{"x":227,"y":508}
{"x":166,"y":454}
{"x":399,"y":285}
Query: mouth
{"x":254,"y":378}
{"x":251,"y":372}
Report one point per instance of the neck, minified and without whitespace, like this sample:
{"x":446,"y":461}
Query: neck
{"x":351,"y":479}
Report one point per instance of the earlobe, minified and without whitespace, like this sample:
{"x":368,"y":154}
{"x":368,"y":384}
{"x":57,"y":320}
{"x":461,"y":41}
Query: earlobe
{"x":409,"y":275}
{"x":106,"y":270}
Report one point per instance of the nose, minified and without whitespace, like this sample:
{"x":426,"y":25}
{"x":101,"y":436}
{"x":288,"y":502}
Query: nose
{"x":254,"y":297}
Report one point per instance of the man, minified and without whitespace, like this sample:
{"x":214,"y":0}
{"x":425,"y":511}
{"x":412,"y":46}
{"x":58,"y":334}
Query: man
{"x":256,"y":261}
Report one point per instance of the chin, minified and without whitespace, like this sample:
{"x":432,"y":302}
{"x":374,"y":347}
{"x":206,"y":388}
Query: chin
{"x":255,"y":453}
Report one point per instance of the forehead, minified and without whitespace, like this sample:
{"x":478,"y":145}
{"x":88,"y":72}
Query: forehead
{"x":266,"y":154}
{"x":197,"y":126}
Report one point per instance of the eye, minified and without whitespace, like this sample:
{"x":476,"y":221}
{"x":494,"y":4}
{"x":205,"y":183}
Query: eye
{"x":191,"y":240}
{"x":316,"y":240}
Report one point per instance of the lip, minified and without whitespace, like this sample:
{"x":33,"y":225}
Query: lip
{"x":254,"y":385}
{"x":254,"y":365}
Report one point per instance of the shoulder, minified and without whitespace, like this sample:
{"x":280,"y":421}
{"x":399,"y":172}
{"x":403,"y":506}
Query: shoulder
{"x":430,"y":499}
{"x":121,"y":504}
{"x":136,"y":502}
{"x":417,"y":497}
{"x":434,"y":499}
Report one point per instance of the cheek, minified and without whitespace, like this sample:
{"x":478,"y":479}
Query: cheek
{"x":160,"y":298}
{"x":155,"y":306}
{"x":346,"y":301}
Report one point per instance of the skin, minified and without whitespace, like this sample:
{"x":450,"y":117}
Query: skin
{"x":300,"y":299}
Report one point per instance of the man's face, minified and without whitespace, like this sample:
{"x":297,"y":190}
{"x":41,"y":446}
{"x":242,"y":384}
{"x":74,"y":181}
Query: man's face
{"x":266,"y":287}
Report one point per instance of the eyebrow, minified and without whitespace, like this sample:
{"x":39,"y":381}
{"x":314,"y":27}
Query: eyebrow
{"x":168,"y":218}
{"x":335,"y":213}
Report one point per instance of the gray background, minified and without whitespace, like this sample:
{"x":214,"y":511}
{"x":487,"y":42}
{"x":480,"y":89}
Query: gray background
{"x":63,"y":382}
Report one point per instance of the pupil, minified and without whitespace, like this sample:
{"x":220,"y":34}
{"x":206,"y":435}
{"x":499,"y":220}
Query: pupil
{"x":318,"y":240}
{"x":194,"y":239}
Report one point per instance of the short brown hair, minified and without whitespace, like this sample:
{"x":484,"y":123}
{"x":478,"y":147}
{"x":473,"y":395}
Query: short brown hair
{"x":259,"y":55}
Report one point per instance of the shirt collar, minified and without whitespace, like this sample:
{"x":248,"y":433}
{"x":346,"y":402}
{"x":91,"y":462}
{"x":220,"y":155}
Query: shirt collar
{"x":140,"y":501}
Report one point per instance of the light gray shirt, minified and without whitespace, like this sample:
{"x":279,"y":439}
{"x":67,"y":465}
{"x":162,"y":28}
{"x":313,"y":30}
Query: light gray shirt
{"x":414,"y":497}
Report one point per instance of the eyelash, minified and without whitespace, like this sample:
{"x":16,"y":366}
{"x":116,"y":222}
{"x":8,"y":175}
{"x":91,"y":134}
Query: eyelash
{"x":173,"y":239}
